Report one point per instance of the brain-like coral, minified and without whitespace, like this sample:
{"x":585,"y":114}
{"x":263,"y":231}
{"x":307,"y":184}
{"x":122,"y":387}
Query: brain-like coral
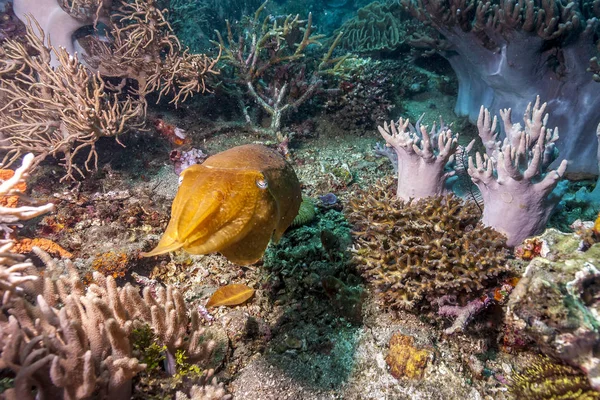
{"x":377,"y":27}
{"x":415,"y":253}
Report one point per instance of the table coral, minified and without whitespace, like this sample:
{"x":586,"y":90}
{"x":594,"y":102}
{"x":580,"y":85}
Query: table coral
{"x":404,"y":359}
{"x":414,"y":253}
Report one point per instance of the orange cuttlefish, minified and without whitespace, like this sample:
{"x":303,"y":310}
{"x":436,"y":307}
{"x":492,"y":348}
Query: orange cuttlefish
{"x":234,"y":203}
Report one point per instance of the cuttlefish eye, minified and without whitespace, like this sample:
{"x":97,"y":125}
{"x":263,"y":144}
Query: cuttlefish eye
{"x":262,"y":183}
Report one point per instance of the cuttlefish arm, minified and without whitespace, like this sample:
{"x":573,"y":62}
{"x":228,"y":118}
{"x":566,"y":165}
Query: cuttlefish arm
{"x":234,"y":204}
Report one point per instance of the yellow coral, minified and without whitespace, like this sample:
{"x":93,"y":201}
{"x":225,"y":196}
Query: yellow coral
{"x":404,"y":359}
{"x":111,"y":263}
{"x":546,"y":379}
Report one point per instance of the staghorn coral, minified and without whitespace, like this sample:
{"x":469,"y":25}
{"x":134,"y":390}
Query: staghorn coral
{"x":416,"y":252}
{"x":267,"y":64}
{"x":546,"y":379}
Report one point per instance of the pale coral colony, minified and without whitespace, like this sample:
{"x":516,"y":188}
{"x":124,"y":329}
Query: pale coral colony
{"x":379,"y":194}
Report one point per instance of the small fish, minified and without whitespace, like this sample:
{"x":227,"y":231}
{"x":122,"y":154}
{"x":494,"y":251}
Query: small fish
{"x":234,"y":203}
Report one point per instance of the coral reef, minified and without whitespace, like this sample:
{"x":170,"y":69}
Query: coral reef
{"x":414,"y":253}
{"x":505,"y":53}
{"x":144,"y":48}
{"x":61,"y":19}
{"x":195,"y":21}
{"x":61,"y":340}
{"x":267,"y":66}
{"x":56,"y":111}
{"x":555,"y":302}
{"x":26,"y":245}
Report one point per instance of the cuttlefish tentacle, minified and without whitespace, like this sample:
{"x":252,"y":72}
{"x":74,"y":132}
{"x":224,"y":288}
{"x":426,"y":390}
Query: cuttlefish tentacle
{"x":234,"y":203}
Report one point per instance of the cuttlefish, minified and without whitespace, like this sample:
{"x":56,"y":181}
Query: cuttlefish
{"x":234,"y":203}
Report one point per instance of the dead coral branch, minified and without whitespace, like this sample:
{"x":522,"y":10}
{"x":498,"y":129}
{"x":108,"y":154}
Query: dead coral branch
{"x":269,"y":64}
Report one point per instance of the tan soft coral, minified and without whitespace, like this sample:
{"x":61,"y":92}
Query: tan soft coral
{"x":417,"y":252}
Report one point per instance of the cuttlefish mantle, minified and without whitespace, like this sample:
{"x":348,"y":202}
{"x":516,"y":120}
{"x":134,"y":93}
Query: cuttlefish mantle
{"x":234,"y":203}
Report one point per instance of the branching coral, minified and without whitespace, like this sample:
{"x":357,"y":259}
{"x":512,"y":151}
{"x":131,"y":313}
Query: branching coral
{"x":266,"y":61}
{"x":58,"y":111}
{"x":86,"y":334}
{"x":414,"y":253}
{"x":512,"y":177}
{"x":60,"y":19}
{"x":506,"y":52}
{"x":145,"y":49}
{"x":64,"y":341}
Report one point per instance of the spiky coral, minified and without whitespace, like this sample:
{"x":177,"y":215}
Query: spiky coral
{"x":546,"y":379}
{"x":415,"y":253}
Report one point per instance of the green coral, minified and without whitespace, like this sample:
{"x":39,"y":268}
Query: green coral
{"x":306,"y":213}
{"x":146,"y":348}
{"x":184,"y":368}
{"x":546,"y":380}
{"x":376,"y":27}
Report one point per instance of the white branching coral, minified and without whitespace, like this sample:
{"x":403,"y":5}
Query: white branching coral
{"x":14,"y":270}
{"x":422,"y":156}
{"x":512,"y":177}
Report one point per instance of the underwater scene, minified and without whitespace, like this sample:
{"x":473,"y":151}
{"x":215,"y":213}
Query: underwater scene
{"x":298,"y":200}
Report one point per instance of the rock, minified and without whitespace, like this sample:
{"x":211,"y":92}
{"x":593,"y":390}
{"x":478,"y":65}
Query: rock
{"x":557,"y":301}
